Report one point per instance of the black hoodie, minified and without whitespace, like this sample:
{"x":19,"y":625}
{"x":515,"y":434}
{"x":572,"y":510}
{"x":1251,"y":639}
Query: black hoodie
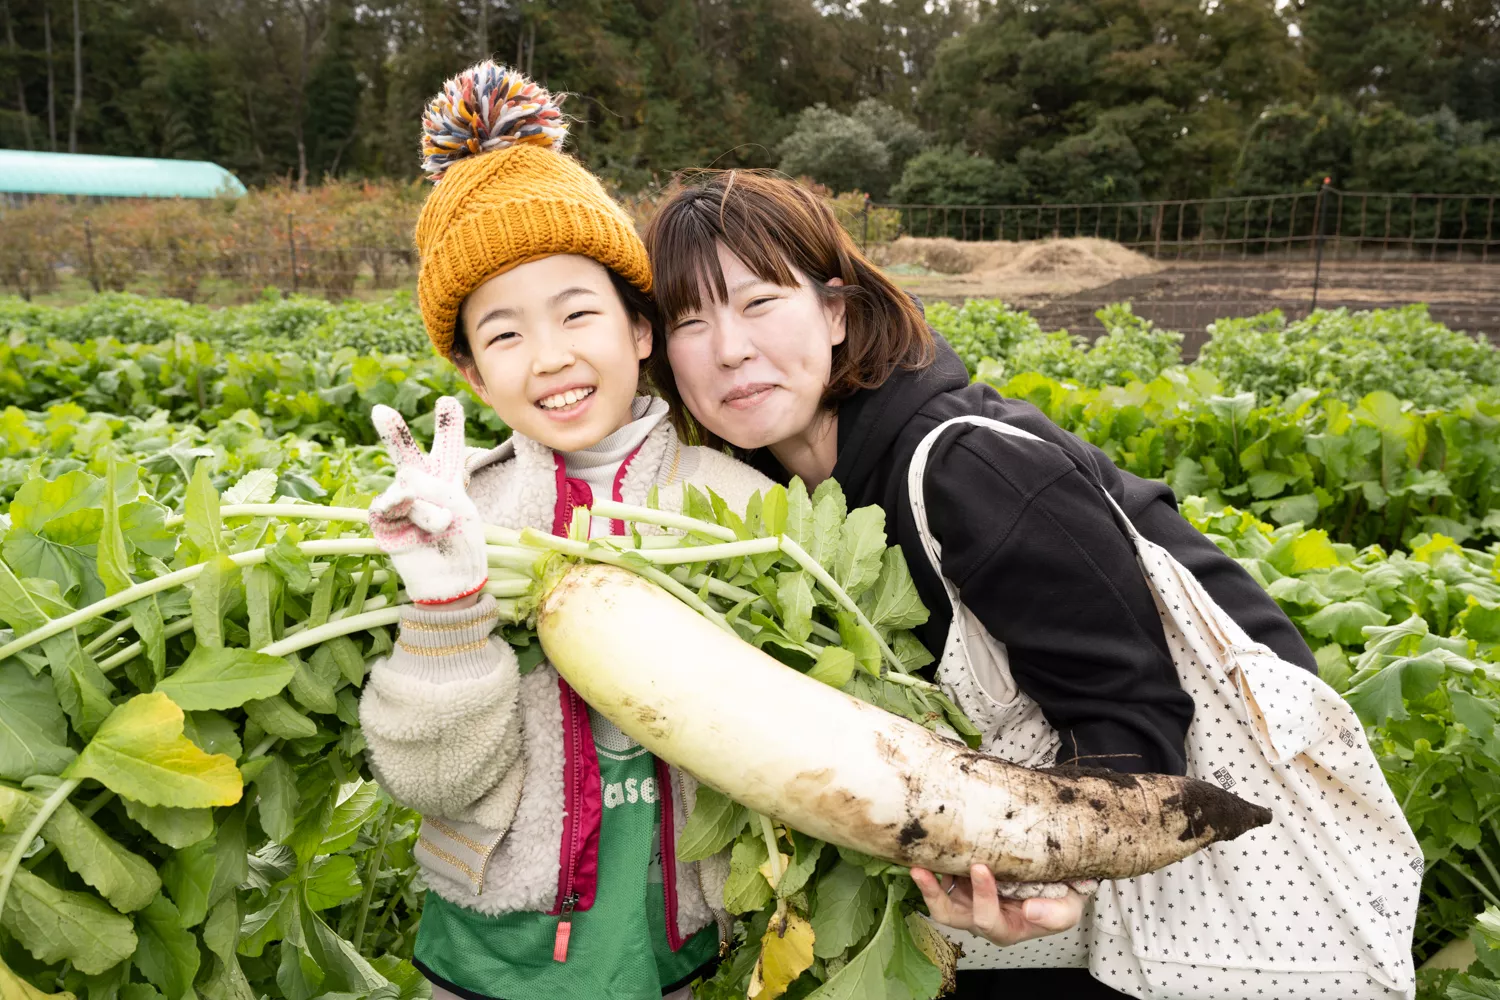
{"x":1039,"y":558}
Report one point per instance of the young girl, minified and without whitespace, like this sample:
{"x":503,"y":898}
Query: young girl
{"x":547,"y":834}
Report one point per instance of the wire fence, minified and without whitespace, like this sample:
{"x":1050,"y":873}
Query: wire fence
{"x":1240,"y":256}
{"x":1344,"y":224}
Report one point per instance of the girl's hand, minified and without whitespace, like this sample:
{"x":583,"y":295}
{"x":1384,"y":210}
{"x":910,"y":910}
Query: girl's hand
{"x":425,"y":520}
{"x":976,"y":904}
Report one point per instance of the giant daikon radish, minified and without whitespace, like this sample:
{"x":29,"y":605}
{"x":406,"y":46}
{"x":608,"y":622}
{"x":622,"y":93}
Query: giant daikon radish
{"x":848,"y":772}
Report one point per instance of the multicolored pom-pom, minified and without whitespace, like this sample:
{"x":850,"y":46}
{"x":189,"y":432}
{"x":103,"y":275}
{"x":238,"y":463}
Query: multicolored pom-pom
{"x":484,"y":108}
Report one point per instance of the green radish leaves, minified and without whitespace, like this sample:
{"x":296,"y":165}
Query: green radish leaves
{"x":258,"y":898}
{"x":57,"y":925}
{"x":713,"y":824}
{"x":33,"y":730}
{"x":218,"y":678}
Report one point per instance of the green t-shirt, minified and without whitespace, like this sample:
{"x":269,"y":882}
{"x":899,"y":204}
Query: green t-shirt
{"x":618,"y":948}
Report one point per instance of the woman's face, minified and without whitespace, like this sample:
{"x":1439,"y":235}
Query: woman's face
{"x":753,"y":369}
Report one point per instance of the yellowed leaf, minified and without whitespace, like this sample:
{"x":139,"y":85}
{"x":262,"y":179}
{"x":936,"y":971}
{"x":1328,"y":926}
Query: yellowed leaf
{"x":939,"y":950}
{"x":773,"y":877}
{"x":13,"y":987}
{"x":785,"y":953}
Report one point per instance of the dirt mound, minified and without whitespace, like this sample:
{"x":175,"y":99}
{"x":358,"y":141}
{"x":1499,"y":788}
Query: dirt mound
{"x":1054,"y":258}
{"x":1015,"y":271}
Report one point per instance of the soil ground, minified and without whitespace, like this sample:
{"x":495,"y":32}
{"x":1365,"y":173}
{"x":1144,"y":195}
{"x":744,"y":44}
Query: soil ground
{"x":1062,"y":282}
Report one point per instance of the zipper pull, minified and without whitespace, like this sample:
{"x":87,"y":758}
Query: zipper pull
{"x":564,"y":928}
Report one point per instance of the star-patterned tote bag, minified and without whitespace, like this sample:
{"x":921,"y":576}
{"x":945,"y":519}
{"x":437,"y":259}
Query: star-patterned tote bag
{"x":1321,"y":902}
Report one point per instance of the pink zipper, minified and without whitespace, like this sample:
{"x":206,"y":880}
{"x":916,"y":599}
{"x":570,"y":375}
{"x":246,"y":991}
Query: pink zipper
{"x":580,"y":858}
{"x":578,"y":742}
{"x":668,"y":853}
{"x":581,"y":802}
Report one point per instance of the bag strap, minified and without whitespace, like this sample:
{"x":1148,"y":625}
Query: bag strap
{"x":917,"y":471}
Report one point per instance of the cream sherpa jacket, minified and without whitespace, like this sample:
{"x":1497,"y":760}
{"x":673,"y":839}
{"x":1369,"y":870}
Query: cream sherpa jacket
{"x":501,"y":765}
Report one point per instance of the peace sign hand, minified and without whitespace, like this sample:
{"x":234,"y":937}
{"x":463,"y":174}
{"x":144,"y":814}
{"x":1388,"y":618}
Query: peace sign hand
{"x":425,"y":520}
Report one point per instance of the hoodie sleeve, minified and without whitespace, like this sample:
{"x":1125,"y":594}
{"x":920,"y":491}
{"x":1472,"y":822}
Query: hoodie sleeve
{"x":1153,"y":509}
{"x":441,"y":717}
{"x":1038,"y":557}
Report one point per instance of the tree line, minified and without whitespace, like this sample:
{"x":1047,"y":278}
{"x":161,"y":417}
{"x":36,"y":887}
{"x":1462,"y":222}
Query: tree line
{"x":942,"y":101}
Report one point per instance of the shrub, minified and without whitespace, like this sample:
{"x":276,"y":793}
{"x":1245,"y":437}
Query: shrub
{"x":872,"y":225}
{"x":835,"y":150}
{"x":31,"y":246}
{"x":949,"y":176}
{"x":902,"y":137}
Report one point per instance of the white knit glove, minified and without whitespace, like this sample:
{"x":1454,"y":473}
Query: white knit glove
{"x":425,"y":521}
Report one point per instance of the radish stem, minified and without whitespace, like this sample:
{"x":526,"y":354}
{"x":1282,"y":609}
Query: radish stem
{"x":138,"y":647}
{"x":708,"y":553}
{"x":49,"y":806}
{"x":665,"y":519}
{"x":594,"y":553}
{"x":332,"y":630}
{"x":110,"y":634}
{"x":307,"y":511}
{"x":318,"y":547}
{"x":773,"y":853}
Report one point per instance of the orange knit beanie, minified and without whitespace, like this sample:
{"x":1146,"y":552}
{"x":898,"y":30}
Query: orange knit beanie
{"x":506,"y":194}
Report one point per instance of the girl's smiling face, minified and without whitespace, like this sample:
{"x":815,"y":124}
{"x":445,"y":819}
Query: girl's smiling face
{"x":554,"y":351}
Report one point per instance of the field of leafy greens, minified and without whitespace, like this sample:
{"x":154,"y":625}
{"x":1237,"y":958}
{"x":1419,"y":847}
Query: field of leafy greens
{"x":181,"y":814}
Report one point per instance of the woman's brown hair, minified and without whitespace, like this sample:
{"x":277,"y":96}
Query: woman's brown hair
{"x":776,"y":227}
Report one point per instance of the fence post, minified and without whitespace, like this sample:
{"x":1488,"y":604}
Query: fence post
{"x":864,"y":242}
{"x":1318,"y":241}
{"x":88,"y":245}
{"x":291,"y":242}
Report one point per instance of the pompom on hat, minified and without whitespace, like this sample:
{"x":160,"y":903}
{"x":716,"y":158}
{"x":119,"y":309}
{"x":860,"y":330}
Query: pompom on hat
{"x":505,"y":194}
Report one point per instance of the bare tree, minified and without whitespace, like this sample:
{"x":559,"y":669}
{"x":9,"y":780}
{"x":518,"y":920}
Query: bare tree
{"x":51,"y":88}
{"x":77,"y":79}
{"x":293,"y":33}
{"x":15,"y":60}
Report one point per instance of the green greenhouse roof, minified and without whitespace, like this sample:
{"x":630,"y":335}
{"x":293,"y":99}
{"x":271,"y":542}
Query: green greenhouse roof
{"x":26,"y":172}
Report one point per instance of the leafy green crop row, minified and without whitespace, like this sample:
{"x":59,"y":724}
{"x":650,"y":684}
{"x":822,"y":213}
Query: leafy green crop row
{"x":391,"y":325}
{"x":1401,"y":351}
{"x":1380,"y":470}
{"x":319,"y":394}
{"x":1376,"y":471}
{"x":1350,"y":355}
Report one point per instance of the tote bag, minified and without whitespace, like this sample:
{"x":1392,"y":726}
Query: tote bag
{"x":1321,"y":902}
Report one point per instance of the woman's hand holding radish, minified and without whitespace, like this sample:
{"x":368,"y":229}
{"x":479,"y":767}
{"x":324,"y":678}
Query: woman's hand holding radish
{"x":979,"y":904}
{"x":425,"y":520}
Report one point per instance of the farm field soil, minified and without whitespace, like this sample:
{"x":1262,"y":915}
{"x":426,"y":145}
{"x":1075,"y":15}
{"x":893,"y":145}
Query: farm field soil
{"x":1187,"y":296}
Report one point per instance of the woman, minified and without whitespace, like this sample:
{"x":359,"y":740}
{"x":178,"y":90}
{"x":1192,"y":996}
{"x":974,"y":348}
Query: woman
{"x":784,"y":342}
